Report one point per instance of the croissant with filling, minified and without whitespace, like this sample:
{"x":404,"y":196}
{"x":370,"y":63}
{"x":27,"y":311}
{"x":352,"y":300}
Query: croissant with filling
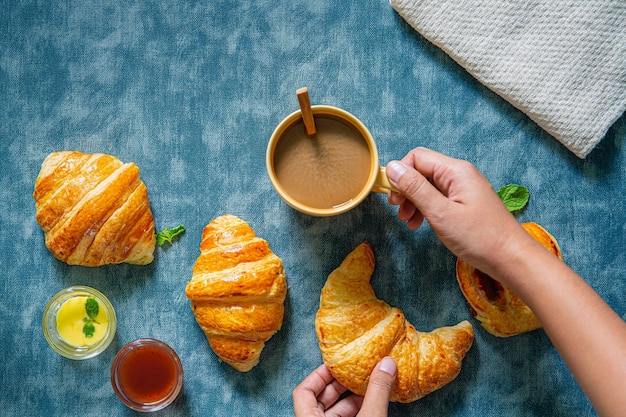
{"x":237,"y":291}
{"x":94,"y":210}
{"x":356,"y":330}
{"x":498,"y":309}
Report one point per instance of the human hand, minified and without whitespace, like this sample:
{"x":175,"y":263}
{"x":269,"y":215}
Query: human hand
{"x":318,"y":394}
{"x":471,"y":220}
{"x":460,"y":205}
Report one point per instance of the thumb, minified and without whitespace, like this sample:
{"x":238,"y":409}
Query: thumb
{"x":382,"y":379}
{"x":415,"y":187}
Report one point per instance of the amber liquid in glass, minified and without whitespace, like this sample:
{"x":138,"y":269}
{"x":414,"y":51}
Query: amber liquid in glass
{"x":147,"y":374}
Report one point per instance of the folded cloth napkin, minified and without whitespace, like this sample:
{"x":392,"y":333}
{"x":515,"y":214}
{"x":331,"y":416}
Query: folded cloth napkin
{"x":561,"y":62}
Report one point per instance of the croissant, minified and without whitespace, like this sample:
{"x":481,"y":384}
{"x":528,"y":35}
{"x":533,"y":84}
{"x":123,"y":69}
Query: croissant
{"x":237,"y":291}
{"x":356,"y":330}
{"x":499,"y":310}
{"x":94,"y":210}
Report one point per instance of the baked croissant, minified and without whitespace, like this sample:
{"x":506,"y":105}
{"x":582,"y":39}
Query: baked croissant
{"x":356,"y":330}
{"x":237,"y":291}
{"x":499,"y":310}
{"x":94,"y":210}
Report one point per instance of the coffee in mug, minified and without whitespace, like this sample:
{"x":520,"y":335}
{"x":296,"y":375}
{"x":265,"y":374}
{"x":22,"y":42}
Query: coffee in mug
{"x":329,"y":172}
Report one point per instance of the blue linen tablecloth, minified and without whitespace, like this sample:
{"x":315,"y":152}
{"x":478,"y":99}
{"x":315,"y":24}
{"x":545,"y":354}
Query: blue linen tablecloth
{"x":190,"y":92}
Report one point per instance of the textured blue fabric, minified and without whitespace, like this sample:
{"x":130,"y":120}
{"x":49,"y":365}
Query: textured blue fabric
{"x":191,"y":91}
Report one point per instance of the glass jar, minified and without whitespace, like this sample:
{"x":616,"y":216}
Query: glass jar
{"x":147,"y":375}
{"x":51,"y":329}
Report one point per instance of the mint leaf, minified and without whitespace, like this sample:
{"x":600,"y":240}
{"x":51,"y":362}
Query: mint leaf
{"x":515,"y":197}
{"x":89,"y":329}
{"x":167,"y":234}
{"x":92,"y":307}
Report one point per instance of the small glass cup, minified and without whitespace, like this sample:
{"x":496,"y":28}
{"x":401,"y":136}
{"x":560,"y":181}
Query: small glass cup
{"x":51,"y":332}
{"x":147,"y":375}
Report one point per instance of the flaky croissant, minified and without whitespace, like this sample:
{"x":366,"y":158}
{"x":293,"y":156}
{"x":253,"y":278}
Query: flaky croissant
{"x":499,"y":310}
{"x":237,"y":291}
{"x":356,"y":330}
{"x":94,"y":210}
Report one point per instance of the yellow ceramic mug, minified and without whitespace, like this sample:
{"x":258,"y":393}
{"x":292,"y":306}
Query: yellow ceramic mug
{"x":330,"y":172}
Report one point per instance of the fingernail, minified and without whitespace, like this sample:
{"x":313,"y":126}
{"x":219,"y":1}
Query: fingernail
{"x":388,"y":365}
{"x":395,"y":170}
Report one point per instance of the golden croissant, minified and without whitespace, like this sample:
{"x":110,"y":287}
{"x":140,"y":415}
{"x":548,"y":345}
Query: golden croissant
{"x":237,"y":291}
{"x":356,"y":330}
{"x":94,"y":210}
{"x":499,"y":310}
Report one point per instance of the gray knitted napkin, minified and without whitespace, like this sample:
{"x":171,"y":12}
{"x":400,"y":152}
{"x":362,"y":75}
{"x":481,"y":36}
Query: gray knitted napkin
{"x":562,"y":63}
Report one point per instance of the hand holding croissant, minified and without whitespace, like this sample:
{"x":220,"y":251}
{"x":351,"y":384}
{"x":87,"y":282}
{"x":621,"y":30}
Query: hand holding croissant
{"x":356,"y":330}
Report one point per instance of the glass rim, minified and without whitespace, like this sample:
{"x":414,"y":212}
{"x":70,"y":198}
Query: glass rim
{"x":153,"y":405}
{"x":54,"y":339}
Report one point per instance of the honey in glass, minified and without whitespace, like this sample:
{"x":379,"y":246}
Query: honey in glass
{"x":146,"y":375}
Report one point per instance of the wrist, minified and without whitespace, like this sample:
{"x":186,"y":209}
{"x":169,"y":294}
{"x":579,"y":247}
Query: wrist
{"x":524,"y":266}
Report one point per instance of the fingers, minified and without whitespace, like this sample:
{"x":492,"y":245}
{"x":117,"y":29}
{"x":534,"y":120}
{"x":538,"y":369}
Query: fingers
{"x":382,"y":379}
{"x":431,"y":181}
{"x":316,"y":393}
{"x":331,"y":394}
{"x":410,"y":214}
{"x":415,"y":188}
{"x":348,"y":406}
{"x":315,"y":383}
{"x":427,"y":161}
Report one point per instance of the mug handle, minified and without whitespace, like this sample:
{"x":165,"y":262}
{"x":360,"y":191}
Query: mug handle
{"x":382,"y":184}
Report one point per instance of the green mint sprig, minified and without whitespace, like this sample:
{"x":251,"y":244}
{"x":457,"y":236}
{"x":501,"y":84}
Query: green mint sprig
{"x":167,"y":234}
{"x":92,"y":308}
{"x":515,"y":197}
